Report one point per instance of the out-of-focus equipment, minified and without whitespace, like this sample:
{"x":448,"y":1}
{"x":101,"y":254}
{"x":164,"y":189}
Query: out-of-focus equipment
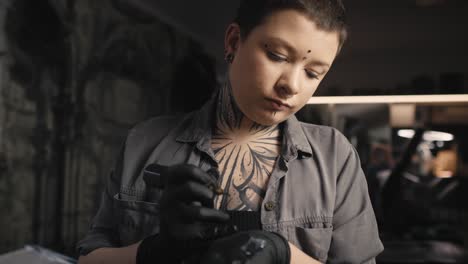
{"x":35,"y":254}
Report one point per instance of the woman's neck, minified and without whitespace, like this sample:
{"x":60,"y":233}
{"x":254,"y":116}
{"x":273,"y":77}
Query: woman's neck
{"x":231,"y":121}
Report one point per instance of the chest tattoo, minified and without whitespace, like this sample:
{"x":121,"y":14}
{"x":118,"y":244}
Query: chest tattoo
{"x":245,"y":166}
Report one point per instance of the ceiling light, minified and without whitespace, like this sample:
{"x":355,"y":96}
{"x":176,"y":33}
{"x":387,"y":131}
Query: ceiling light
{"x":428,"y":135}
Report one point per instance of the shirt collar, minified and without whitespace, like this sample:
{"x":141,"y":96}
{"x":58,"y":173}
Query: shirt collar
{"x":199,"y":130}
{"x":294,"y":139}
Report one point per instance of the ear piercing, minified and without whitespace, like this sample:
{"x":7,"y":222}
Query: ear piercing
{"x":229,"y":58}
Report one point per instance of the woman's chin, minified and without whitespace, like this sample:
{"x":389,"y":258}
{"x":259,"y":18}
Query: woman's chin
{"x":269,"y":120}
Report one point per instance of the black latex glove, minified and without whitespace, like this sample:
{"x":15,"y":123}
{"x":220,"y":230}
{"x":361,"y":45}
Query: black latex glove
{"x":259,"y":247}
{"x":186,"y":216}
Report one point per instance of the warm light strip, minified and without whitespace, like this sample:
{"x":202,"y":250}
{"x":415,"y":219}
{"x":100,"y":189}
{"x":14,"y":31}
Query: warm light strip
{"x":390,"y":99}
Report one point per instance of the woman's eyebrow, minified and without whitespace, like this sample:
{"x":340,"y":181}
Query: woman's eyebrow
{"x":320,"y":64}
{"x":293,"y":51}
{"x":284,"y":43}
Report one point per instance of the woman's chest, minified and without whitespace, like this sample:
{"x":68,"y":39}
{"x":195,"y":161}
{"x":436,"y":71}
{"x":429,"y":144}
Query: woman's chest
{"x":244,"y":170}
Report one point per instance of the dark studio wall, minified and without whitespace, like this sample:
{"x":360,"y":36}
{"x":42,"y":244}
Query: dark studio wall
{"x":400,"y":47}
{"x":74,"y":77}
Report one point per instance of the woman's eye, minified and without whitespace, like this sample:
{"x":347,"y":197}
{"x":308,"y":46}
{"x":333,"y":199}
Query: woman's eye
{"x":275,"y":57}
{"x":311,"y":74}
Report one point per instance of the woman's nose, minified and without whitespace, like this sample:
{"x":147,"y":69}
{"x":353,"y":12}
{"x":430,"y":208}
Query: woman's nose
{"x":288,"y":85}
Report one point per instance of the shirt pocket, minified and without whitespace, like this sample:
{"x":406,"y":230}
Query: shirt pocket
{"x":313,"y":240}
{"x":137,"y":219}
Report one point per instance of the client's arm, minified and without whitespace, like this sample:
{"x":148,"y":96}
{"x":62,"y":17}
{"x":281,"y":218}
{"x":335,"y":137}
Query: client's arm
{"x":122,"y":255}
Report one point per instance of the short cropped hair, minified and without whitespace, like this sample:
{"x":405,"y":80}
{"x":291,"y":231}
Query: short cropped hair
{"x":328,"y":15}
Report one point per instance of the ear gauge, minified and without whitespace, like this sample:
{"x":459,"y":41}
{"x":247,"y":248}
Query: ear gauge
{"x":229,"y":58}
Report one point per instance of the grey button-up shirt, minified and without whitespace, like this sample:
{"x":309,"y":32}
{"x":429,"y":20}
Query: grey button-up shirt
{"x":316,"y":197}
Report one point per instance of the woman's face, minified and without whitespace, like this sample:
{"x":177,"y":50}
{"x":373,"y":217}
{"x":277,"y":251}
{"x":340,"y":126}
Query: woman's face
{"x":278,"y":67}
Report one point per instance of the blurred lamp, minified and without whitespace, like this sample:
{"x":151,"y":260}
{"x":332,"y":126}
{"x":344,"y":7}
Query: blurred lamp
{"x":428,"y":135}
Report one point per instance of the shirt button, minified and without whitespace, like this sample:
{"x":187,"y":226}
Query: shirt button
{"x":270,"y":206}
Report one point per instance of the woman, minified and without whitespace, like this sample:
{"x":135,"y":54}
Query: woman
{"x":290,"y":192}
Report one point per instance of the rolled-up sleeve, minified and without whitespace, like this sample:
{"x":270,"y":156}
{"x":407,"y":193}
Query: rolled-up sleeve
{"x":103,"y":229}
{"x":355,"y":237}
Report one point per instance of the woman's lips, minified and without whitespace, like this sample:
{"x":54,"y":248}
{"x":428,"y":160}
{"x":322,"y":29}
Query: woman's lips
{"x":277,"y":105}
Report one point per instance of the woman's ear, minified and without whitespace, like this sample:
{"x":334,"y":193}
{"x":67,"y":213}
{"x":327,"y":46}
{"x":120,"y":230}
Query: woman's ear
{"x":232,"y":39}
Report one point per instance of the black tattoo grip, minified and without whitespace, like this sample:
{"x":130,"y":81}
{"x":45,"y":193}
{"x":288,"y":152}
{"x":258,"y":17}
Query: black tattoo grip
{"x":154,"y":174}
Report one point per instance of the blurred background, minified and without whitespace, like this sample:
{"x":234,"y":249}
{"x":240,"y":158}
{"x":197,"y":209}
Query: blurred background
{"x":75,"y":75}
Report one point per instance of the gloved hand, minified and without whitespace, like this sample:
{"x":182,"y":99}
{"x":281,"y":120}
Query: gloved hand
{"x":186,"y":215}
{"x":259,"y":247}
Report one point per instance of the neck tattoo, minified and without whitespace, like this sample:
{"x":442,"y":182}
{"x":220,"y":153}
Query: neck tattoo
{"x":245,"y":151}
